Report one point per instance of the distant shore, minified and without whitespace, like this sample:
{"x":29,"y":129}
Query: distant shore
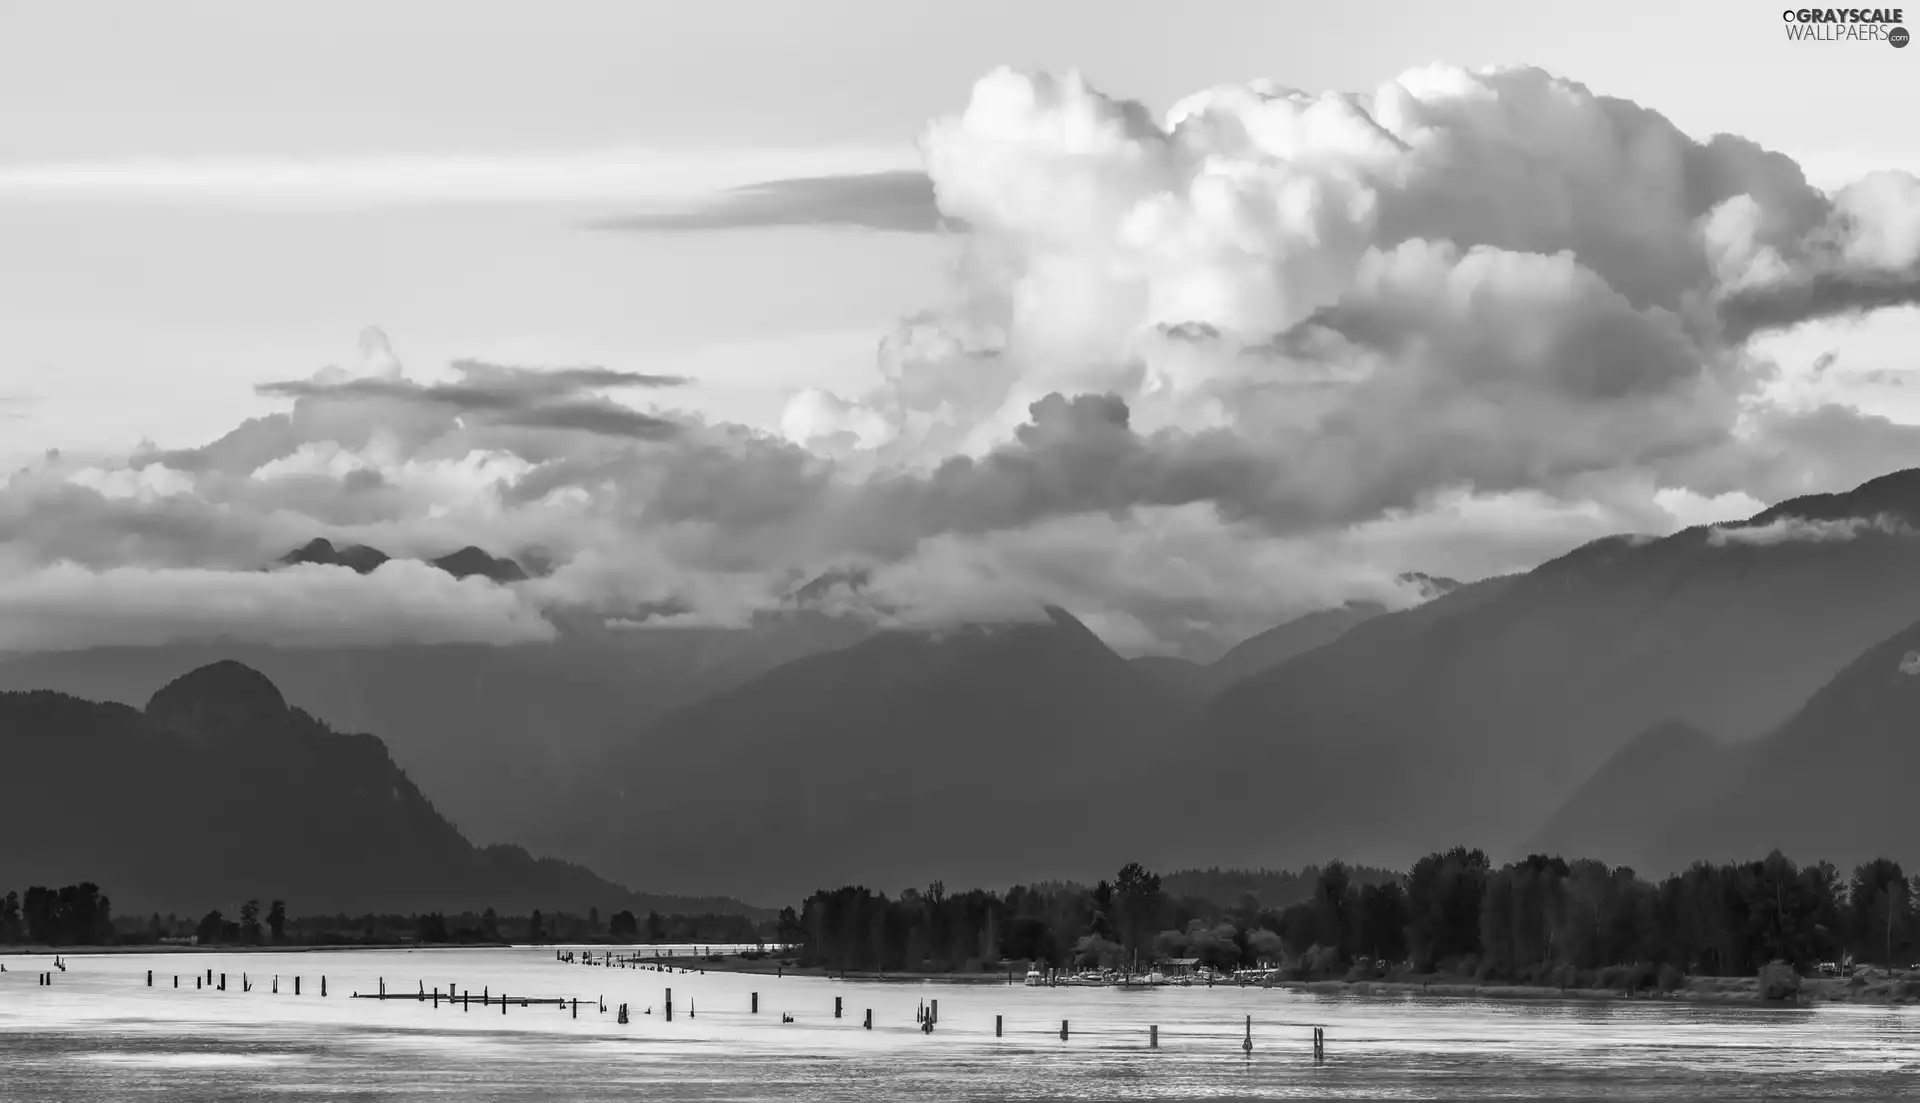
{"x":238,"y":948}
{"x":1883,"y":990}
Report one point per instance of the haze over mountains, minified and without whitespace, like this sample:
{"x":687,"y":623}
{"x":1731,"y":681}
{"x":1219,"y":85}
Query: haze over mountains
{"x":1276,"y":645}
{"x":1475,"y":716}
{"x":1641,"y":700}
{"x":1835,"y":780}
{"x":219,"y":791}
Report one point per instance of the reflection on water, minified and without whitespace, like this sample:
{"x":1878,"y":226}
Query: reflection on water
{"x":99,"y":1033}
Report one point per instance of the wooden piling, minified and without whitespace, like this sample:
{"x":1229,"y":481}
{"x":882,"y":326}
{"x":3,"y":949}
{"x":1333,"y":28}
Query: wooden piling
{"x":149,"y":978}
{"x":996,"y":1026}
{"x":934,"y":1015}
{"x":669,"y":1005}
{"x":1153,"y":1037}
{"x":1063,"y":1030}
{"x":176,"y":980}
{"x":836,"y":1007}
{"x":503,"y":1003}
{"x":869,"y":1018}
{"x":436,"y":999}
{"x":576,"y":1009}
{"x":756,"y":1003}
{"x":296,"y":986}
{"x":1248,"y":1044}
{"x":323,"y":985}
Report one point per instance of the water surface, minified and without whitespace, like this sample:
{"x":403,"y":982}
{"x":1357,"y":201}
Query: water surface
{"x":99,"y":1033}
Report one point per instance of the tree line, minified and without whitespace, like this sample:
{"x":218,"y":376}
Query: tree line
{"x":1541,"y":920}
{"x":81,"y":915}
{"x":74,"y":915}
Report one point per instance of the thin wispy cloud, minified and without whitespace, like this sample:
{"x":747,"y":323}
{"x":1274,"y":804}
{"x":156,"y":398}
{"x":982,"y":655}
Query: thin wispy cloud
{"x":898,"y":202}
{"x":524,"y":397}
{"x":605,"y":175}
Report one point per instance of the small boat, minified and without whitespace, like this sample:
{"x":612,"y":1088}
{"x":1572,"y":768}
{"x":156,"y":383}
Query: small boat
{"x":1035,"y":979}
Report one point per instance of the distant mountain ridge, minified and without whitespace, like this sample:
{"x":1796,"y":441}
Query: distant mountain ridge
{"x":219,"y":791}
{"x":1619,"y":814}
{"x":810,"y":749}
{"x":1279,"y":644}
{"x":465,"y":563}
{"x":1476,"y":716}
{"x":1834,"y":780}
{"x":909,"y":754}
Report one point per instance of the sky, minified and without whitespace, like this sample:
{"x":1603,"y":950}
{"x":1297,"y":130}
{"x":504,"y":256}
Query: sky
{"x":1289,"y":360}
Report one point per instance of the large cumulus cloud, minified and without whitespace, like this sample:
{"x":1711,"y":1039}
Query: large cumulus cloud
{"x":1503,"y":243}
{"x":1197,"y":371}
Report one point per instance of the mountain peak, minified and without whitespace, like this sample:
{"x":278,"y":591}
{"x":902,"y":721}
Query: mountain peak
{"x":465,"y":563}
{"x":470,"y":560}
{"x":1897,"y":494}
{"x":1430,"y":585}
{"x":359,"y":557}
{"x":219,"y":697}
{"x":852,"y":579}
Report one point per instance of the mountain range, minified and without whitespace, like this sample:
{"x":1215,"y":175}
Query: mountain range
{"x":1639,"y":699}
{"x":500,"y":735}
{"x":1834,"y":781}
{"x":218,"y":790}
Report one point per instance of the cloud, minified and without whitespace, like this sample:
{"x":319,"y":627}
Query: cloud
{"x":1863,"y":255}
{"x":64,"y":606}
{"x":1783,"y":530}
{"x":591,"y":175}
{"x":898,"y":202}
{"x":1195,"y":265}
{"x":534,"y":399}
{"x":1194,"y":373}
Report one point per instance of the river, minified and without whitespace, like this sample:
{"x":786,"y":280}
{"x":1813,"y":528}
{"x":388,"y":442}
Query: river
{"x":98,"y":1032}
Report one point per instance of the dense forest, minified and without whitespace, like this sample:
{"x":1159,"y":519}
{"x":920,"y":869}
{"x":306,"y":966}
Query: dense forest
{"x":1542,"y":920}
{"x":81,"y":915}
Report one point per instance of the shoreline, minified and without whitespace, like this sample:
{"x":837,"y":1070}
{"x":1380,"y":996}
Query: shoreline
{"x":225,"y":948}
{"x":1739,"y":991}
{"x":1887,"y":990}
